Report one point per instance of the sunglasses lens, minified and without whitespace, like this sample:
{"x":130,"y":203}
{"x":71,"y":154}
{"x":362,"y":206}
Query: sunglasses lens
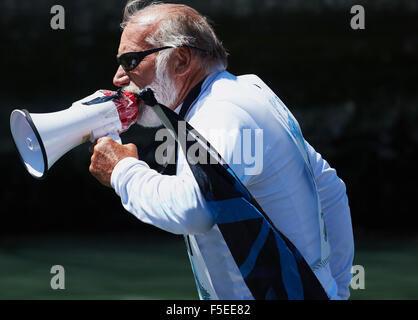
{"x":129,"y":61}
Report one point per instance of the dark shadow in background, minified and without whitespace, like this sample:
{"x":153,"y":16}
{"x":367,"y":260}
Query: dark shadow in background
{"x":353,"y":92}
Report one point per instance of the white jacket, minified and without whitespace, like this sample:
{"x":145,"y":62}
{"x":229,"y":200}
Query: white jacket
{"x":280,"y":183}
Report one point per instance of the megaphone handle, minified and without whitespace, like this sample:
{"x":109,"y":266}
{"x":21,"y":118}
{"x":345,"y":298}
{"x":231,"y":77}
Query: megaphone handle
{"x":115,"y":136}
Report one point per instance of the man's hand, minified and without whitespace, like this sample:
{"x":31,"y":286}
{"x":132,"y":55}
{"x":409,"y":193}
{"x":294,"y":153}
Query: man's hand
{"x":106,"y":154}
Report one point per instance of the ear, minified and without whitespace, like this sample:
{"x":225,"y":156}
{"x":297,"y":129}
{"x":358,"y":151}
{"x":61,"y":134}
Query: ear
{"x":182,"y":61}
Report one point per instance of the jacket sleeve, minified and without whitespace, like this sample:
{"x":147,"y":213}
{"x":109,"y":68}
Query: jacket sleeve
{"x":172,"y":203}
{"x":334,"y":203}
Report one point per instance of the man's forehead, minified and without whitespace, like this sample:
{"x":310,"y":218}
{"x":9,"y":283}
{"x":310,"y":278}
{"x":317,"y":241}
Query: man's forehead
{"x":133,"y":37}
{"x":136,"y":31}
{"x":146,"y":22}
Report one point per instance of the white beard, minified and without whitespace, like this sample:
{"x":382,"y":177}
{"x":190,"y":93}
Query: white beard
{"x":165,"y":92}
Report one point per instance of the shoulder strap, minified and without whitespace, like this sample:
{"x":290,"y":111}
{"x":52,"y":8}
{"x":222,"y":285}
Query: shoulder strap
{"x":191,"y":97}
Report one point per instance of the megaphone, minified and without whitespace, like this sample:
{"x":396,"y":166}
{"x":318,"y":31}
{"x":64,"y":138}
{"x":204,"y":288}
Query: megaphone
{"x":42,"y":138}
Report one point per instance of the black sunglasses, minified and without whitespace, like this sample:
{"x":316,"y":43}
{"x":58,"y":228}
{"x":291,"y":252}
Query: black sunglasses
{"x":130,"y":60}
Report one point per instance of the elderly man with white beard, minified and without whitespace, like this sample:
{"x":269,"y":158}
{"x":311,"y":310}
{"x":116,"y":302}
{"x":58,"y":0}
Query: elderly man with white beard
{"x":172,"y":49}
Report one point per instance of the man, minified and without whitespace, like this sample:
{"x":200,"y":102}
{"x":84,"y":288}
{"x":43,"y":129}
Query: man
{"x":188,"y":68}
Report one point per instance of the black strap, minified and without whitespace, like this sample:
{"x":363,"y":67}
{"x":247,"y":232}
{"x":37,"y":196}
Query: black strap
{"x":191,"y":97}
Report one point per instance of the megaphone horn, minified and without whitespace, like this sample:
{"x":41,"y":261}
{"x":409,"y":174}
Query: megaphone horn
{"x":42,"y":138}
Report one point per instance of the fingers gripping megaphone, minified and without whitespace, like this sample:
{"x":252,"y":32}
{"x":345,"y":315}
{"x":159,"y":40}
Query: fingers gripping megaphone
{"x":42,"y":138}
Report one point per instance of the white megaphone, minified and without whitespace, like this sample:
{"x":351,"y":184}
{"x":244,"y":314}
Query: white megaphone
{"x":42,"y":138}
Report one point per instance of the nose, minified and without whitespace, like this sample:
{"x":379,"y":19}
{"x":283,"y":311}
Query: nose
{"x":121,"y":79}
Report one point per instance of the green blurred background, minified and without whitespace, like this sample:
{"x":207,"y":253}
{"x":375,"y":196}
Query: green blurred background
{"x":354,"y":93}
{"x":117,"y":266}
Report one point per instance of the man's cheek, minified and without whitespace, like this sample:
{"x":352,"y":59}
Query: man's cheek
{"x":140,"y":81}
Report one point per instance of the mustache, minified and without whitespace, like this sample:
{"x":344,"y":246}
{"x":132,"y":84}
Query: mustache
{"x":132,"y":88}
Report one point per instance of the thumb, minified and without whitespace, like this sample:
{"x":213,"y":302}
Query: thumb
{"x":132,"y":147}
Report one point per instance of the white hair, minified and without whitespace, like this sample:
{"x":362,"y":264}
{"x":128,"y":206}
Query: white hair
{"x":179,"y":29}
